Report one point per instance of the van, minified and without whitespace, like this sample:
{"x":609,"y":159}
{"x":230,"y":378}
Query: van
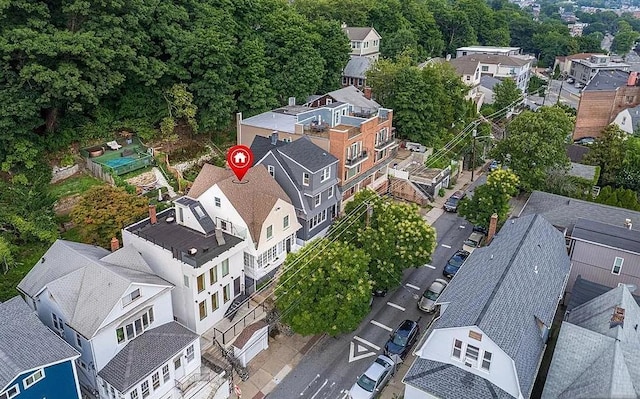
{"x":415,"y":147}
{"x":475,"y":240}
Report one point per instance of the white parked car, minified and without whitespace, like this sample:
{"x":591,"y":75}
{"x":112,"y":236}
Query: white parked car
{"x":475,"y":240}
{"x":370,"y":384}
{"x":428,"y":299}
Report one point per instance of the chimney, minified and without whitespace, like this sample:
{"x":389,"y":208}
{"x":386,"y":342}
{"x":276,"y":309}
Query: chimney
{"x":493,"y":224}
{"x":274,"y":138}
{"x":633,"y":78}
{"x":115,"y":244}
{"x":292,"y":101}
{"x":448,"y":57}
{"x":367,"y":93}
{"x":152,"y":214}
{"x":617,"y":319}
{"x":219,"y":237}
{"x":628,"y":224}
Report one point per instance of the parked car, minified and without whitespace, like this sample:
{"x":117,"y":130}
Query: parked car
{"x":371,"y":382}
{"x":428,"y":300}
{"x":416,"y":147}
{"x":454,"y":263}
{"x":379,"y":292}
{"x":474,"y":241}
{"x":494,"y":165}
{"x":480,"y":229}
{"x":452,"y":203}
{"x":570,"y":80}
{"x":585,"y":141}
{"x":402,"y":339}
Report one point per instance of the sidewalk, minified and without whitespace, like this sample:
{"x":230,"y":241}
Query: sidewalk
{"x":464,"y":180}
{"x":269,"y":367}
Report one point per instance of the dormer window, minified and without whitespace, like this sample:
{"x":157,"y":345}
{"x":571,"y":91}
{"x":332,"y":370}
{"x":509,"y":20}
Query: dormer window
{"x":486,"y":361}
{"x":305,"y":179}
{"x":131,"y":297}
{"x":217,"y":201}
{"x":471,"y":355}
{"x":457,"y":349}
{"x":272,"y":170}
{"x":325,"y":174}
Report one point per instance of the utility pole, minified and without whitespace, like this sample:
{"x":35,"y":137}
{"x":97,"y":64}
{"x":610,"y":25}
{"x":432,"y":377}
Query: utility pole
{"x":369,"y":214}
{"x":564,"y":77}
{"x":473,"y":152}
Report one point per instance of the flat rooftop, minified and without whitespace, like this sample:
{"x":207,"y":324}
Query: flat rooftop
{"x":488,"y":48}
{"x":180,"y":239}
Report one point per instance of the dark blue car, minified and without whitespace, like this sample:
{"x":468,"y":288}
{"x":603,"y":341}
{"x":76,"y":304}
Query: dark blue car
{"x":402,"y":339}
{"x":454,"y":263}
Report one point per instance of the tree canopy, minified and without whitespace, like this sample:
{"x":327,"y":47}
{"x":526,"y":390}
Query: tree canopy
{"x":535,"y":143}
{"x":492,"y":197}
{"x":506,"y":93}
{"x":324,"y":293}
{"x":608,"y":152}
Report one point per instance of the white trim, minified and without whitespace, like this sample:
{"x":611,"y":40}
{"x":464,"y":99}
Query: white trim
{"x":614,"y":265}
{"x":16,"y":386}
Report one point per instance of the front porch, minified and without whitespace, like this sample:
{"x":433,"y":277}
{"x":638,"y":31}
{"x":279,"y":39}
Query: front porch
{"x":205,"y":384}
{"x":226,"y":330}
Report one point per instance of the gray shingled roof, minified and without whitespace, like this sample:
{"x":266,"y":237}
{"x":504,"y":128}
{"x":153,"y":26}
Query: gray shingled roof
{"x":502,"y":289}
{"x":466,"y":65}
{"x":26,"y":343}
{"x":307,"y":154}
{"x":576,"y":152}
{"x":584,"y":290}
{"x":607,"y":80}
{"x":587,"y":172}
{"x":592,"y":359}
{"x":145,"y":354}
{"x":357,"y":67}
{"x":353,"y":96}
{"x":565,"y":212}
{"x":489,"y":82}
{"x":607,"y":234}
{"x":355,"y":33}
{"x":74,"y":272}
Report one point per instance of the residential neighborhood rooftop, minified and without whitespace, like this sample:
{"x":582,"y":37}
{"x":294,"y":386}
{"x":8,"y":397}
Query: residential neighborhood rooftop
{"x":357,"y":67}
{"x":355,"y":97}
{"x":303,"y":151}
{"x":597,"y":354}
{"x":357,"y":33}
{"x":607,"y":80}
{"x":607,"y":234}
{"x":489,"y":82}
{"x":271,"y":120}
{"x":584,"y":290}
{"x":466,"y":65}
{"x":145,"y":353}
{"x":25,"y":343}
{"x":502,"y":289}
{"x":587,"y":172}
{"x":494,"y":59}
{"x":565,"y":212}
{"x":180,"y":239}
{"x":576,"y":152}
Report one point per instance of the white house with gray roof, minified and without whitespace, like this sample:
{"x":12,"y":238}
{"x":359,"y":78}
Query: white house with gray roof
{"x":102,"y":302}
{"x":365,"y":50}
{"x":494,"y":317}
{"x":308,"y":174}
{"x":628,"y":120}
{"x":597,"y":354}
{"x":34,"y":361}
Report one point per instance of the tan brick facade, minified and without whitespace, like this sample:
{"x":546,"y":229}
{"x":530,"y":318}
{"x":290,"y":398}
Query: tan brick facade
{"x":597,"y":109}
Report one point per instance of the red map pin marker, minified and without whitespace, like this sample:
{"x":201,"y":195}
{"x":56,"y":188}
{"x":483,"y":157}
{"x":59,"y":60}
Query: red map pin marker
{"x":240,"y":159}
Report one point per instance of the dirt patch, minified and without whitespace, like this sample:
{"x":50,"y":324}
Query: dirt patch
{"x":64,"y":205}
{"x":143,"y":180}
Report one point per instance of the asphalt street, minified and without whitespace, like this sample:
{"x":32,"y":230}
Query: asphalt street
{"x":331,"y":368}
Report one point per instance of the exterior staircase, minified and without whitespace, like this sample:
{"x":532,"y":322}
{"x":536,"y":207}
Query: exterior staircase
{"x":235,"y":305}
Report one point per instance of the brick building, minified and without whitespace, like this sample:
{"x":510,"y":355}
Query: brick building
{"x":606,"y":95}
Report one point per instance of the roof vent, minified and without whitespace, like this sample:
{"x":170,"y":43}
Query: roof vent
{"x":617,"y":319}
{"x":628,"y":224}
{"x":170,"y":219}
{"x":193,"y":251}
{"x":219,"y":237}
{"x":205,"y":249}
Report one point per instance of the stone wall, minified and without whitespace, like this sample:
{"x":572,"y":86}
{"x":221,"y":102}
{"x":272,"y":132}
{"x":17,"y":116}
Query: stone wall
{"x":61,"y":173}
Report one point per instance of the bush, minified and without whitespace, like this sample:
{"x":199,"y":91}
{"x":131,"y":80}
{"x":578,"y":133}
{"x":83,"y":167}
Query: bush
{"x":441,"y":192}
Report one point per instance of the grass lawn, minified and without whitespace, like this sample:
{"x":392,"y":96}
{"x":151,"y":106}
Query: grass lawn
{"x":25,"y":259}
{"x":77,"y":184}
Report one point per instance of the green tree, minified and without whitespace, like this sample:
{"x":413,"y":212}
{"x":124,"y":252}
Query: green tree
{"x":506,"y":93}
{"x":608,"y":152}
{"x":620,"y":197}
{"x":325,"y":292}
{"x":629,"y":176}
{"x":103,"y":211}
{"x":535,"y":143}
{"x":334,"y":48}
{"x":492,"y":197}
{"x":624,"y":39}
{"x":393,"y":234}
{"x":590,"y":43}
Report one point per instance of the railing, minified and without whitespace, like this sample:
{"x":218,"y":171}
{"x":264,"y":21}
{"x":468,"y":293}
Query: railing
{"x":353,"y":161}
{"x":186,"y":383}
{"x":224,"y":337}
{"x":381,"y":145}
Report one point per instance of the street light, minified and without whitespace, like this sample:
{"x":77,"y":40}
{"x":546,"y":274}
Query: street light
{"x":473,"y":149}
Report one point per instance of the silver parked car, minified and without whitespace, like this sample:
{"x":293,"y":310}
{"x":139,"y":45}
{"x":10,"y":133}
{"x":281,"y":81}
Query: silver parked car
{"x":428,"y":300}
{"x":371,"y":382}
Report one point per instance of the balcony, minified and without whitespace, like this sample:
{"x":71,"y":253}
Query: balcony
{"x":354,"y":161}
{"x":387,"y":143}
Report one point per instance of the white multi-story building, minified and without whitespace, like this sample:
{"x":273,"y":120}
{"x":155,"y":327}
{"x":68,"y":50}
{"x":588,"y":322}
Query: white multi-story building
{"x":109,"y":306}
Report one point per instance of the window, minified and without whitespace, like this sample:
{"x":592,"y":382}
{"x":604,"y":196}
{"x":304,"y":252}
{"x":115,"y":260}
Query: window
{"x":186,"y":280}
{"x":216,"y":200}
{"x":11,"y":392}
{"x":165,"y":373}
{"x":134,"y":394}
{"x":120,"y":335}
{"x":325,"y":173}
{"x":151,"y":315}
{"x":129,"y":330}
{"x":485,"y":68}
{"x":213,"y":275}
{"x":180,"y":217}
{"x":155,"y":380}
{"x":177,"y":363}
{"x":145,"y":320}
{"x":269,"y":232}
{"x":225,"y":267}
{"x":468,"y":77}
{"x":269,"y":255}
{"x":471,"y":354}
{"x":617,"y":266}
{"x":366,"y":44}
{"x":81,"y":364}
{"x":214,"y":302}
{"x":131,"y":297}
{"x":330,"y":192}
{"x":190,"y":354}
{"x":138,"y":325}
{"x":200,"y":282}
{"x":486,"y":360}
{"x":203,"y":309}
{"x":272,"y":170}
{"x":457,"y":349}
{"x":57,"y":323}
{"x":226,"y":293}
{"x":318,"y":219}
{"x":316,"y":200}
{"x":145,"y":389}
{"x":33,"y":378}
{"x":305,"y":179}
{"x":78,"y":341}
{"x":285,"y":222}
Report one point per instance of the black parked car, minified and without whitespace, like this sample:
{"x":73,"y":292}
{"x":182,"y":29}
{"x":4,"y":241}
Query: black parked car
{"x":454,"y":263}
{"x":402,"y":339}
{"x":452,"y":203}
